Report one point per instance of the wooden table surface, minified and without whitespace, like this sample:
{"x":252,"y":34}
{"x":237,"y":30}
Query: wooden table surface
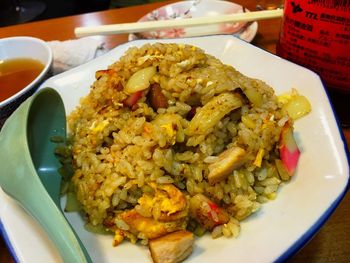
{"x":330,"y":244}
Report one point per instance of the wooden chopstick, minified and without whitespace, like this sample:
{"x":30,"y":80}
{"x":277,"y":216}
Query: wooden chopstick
{"x":186,"y":22}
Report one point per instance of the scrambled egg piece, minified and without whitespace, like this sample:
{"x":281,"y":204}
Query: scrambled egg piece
{"x":171,"y":125}
{"x":149,"y":227}
{"x":158,"y":214}
{"x":259,"y":157}
{"x":169,"y":129}
{"x":167,"y":204}
{"x":98,"y":127}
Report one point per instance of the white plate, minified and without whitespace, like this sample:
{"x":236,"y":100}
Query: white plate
{"x":279,"y":229}
{"x":198,"y":8}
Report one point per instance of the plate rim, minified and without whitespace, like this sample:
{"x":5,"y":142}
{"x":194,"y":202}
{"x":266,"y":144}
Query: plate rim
{"x":7,"y":242}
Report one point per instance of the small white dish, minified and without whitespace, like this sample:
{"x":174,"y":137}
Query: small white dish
{"x":24,"y":47}
{"x":198,"y":8}
{"x":279,"y":229}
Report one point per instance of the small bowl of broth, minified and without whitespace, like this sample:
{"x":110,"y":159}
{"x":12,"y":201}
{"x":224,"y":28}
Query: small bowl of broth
{"x":25,"y":62}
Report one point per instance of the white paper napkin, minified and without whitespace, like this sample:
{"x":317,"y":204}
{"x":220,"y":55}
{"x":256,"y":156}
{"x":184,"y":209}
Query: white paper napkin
{"x":71,"y":53}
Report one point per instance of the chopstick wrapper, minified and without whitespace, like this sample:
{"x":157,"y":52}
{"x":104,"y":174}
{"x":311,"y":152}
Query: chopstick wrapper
{"x":71,"y":53}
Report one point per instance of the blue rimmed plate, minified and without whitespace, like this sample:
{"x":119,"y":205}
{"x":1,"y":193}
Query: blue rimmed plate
{"x":274,"y":233}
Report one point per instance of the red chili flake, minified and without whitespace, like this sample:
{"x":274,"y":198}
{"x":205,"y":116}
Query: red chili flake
{"x":214,"y":212}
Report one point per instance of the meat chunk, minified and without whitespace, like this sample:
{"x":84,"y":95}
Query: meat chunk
{"x":206,"y":212}
{"x":156,"y":98}
{"x":172,"y":248}
{"x":228,"y":160}
{"x":132,"y":99}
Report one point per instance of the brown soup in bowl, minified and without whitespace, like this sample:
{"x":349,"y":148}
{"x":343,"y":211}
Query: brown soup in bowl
{"x":17,"y":73}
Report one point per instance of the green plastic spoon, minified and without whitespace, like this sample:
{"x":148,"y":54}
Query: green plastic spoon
{"x":29,"y":168}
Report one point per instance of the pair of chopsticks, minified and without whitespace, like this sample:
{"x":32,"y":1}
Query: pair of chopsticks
{"x":186,"y":22}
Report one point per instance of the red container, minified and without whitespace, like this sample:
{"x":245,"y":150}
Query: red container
{"x":316,"y":34}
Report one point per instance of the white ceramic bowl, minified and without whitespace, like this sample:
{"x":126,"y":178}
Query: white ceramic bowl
{"x":24,"y":47}
{"x":274,"y":233}
{"x":198,"y":8}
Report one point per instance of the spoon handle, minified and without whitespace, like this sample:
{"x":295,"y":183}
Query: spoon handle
{"x":44,"y":210}
{"x":23,"y":184}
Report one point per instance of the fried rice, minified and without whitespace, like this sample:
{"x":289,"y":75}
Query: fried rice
{"x":143,"y":147}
